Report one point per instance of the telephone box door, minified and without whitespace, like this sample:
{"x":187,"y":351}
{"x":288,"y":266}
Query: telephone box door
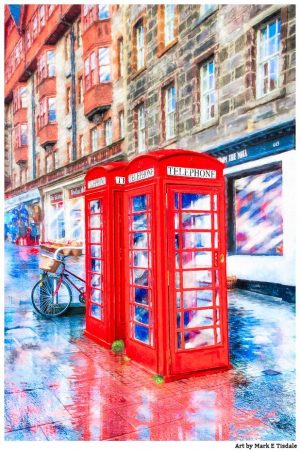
{"x":197,"y":278}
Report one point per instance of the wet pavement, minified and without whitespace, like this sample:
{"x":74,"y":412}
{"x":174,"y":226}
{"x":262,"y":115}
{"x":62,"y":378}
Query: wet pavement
{"x":59,"y":385}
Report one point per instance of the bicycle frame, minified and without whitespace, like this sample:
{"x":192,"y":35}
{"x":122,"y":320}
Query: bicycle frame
{"x":65,"y":274}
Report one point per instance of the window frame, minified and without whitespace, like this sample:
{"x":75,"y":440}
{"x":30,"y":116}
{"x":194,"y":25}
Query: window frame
{"x":108,"y":129}
{"x":141,"y":128}
{"x":106,"y":65}
{"x":167,"y":20}
{"x":167,"y":113}
{"x":121,"y":124}
{"x":208,"y":92}
{"x":94,"y":137}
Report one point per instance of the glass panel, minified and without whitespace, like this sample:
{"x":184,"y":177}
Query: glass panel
{"x":199,"y":338}
{"x":141,"y":277}
{"x":218,"y":335}
{"x":177,"y":241}
{"x":215,"y":202}
{"x":198,"y":318}
{"x":178,"y":315}
{"x":95,"y":236}
{"x":96,"y":281}
{"x":217,"y":298}
{"x":96,"y":312}
{"x":140,"y":240}
{"x":141,"y":315}
{"x":141,"y":333}
{"x":139,"y":203}
{"x":196,"y":240}
{"x":177,"y":280}
{"x":176,"y":201}
{"x":95,"y":250}
{"x":193,"y":201}
{"x":139,"y":222}
{"x":95,"y":221}
{"x":96,"y":266}
{"x":96,"y":296}
{"x":95,"y":206}
{"x":140,"y":259}
{"x":196,"y":221}
{"x":196,"y":259}
{"x":197,"y":298}
{"x":141,"y":295}
{"x":200,"y":278}
{"x":178,"y":299}
{"x":179,"y":340}
{"x":216,"y":240}
{"x":176,"y":221}
{"x":216,"y":221}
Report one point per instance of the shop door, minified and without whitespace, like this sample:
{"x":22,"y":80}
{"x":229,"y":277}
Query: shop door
{"x":197,"y":293}
{"x":98,"y":309}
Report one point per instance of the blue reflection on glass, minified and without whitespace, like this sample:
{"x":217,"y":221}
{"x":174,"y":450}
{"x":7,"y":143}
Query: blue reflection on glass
{"x":141,"y":333}
{"x":141,"y":295}
{"x":141,"y":277}
{"x":140,"y":240}
{"x":139,"y":203}
{"x":195,"y":201}
{"x":141,"y":315}
{"x":96,"y":311}
{"x":176,"y":201}
{"x":139,"y":222}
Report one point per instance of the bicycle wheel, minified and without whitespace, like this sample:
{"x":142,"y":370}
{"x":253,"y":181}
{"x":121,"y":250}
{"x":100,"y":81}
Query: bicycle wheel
{"x":43,"y":300}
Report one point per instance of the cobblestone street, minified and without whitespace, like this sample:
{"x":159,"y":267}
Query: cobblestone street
{"x":59,"y":385}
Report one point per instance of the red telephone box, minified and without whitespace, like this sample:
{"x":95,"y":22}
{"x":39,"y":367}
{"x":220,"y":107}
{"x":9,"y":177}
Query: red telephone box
{"x":103,"y":210}
{"x":175,"y":271}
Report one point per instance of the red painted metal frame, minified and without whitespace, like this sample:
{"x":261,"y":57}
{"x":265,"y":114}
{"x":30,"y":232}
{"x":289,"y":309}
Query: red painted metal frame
{"x":163,"y":358}
{"x":110,"y":327}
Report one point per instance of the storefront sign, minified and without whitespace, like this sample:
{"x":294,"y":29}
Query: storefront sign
{"x":75,"y":192}
{"x":120,"y":180}
{"x":29,"y":197}
{"x":56,"y":197}
{"x":146,"y":174}
{"x":97,"y":182}
{"x":191,"y":172}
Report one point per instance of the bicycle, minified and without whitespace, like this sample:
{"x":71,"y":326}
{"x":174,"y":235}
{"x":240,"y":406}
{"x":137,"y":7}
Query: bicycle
{"x":52,"y":295}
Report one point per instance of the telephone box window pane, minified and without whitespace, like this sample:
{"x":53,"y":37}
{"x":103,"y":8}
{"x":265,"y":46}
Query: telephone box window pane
{"x":215,"y":202}
{"x":218,"y":335}
{"x":141,"y":277}
{"x":96,"y":296}
{"x":259,"y":226}
{"x":178,"y":299}
{"x":96,"y":312}
{"x":197,"y":298}
{"x":198,"y":318}
{"x":196,"y":240}
{"x":177,"y":280}
{"x":215,"y":221}
{"x":196,"y":279}
{"x":139,"y":203}
{"x":217,"y":298}
{"x":95,"y":251}
{"x":193,"y":201}
{"x":176,"y":201}
{"x":95,"y":236}
{"x":139,"y":222}
{"x":95,"y":206}
{"x":196,"y":221}
{"x":140,"y":259}
{"x":216,"y":240}
{"x":140,"y":240}
{"x":199,"y":338}
{"x":141,"y":295}
{"x":176,"y":221}
{"x":141,"y":333}
{"x":95,"y":221}
{"x":96,"y":266}
{"x":196,"y":259}
{"x":141,"y":315}
{"x":96,"y":281}
{"x":179,"y":340}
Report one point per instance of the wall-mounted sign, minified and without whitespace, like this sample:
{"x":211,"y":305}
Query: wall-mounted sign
{"x":75,"y":192}
{"x":56,"y":197}
{"x":191,"y":172}
{"x":146,"y":174}
{"x":97,"y":182}
{"x":120,"y":180}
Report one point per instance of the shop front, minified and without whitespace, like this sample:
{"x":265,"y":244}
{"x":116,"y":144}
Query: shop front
{"x":261,"y":177}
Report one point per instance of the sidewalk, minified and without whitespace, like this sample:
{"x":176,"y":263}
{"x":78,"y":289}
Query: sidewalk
{"x":59,"y":385}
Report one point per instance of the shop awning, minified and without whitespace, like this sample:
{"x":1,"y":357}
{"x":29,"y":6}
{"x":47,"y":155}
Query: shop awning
{"x":31,"y":195}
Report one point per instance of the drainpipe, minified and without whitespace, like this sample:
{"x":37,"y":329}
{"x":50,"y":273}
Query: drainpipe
{"x":33,"y":138}
{"x":73,"y":94}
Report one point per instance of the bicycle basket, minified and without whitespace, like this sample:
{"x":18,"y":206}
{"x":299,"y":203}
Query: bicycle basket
{"x":49,"y":264}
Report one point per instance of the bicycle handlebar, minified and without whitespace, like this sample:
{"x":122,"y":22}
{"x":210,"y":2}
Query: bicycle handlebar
{"x":67,"y":248}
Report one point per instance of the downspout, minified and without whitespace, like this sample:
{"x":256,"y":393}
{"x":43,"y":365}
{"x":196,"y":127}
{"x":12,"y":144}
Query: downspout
{"x":73,"y":94}
{"x":33,"y":137}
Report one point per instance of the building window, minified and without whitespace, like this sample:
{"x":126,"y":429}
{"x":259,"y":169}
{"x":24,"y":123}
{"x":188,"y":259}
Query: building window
{"x":103,"y":12}
{"x":268,"y":57}
{"x":50,"y":10}
{"x":28,"y":39}
{"x":20,"y":132}
{"x":67,"y":47}
{"x":104,"y":65}
{"x":256,"y":208}
{"x":51,"y":109}
{"x":38,"y":167}
{"x":121,"y":57}
{"x":51,"y":63}
{"x":46,"y":65}
{"x":80,"y":146}
{"x":34,"y":27}
{"x":20,"y":98}
{"x":121,"y":124}
{"x":42,"y":16}
{"x":208,"y":91}
{"x":79,"y":34}
{"x":80,"y":90}
{"x":108,"y":132}
{"x":169,"y":23}
{"x":140,"y":45}
{"x":23,"y":97}
{"x":169,"y":111}
{"x":94,"y":139}
{"x":68,"y":100}
{"x":141,"y":130}
{"x":55,"y":159}
{"x":93,"y":68}
{"x":24,"y":135}
{"x":87,"y":81}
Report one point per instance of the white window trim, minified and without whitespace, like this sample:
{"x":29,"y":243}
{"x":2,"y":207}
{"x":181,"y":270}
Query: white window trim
{"x":108,"y":132}
{"x":140,"y":46}
{"x":141,"y":128}
{"x":169,"y":25}
{"x":170,"y":126}
{"x":94,"y":139}
{"x":204,"y":119}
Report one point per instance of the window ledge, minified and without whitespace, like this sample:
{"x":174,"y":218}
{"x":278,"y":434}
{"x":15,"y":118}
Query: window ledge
{"x":168,"y":142}
{"x":206,"y":125}
{"x":205,"y":16}
{"x":136,"y":73}
{"x":278,"y":93}
{"x":164,"y":49}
